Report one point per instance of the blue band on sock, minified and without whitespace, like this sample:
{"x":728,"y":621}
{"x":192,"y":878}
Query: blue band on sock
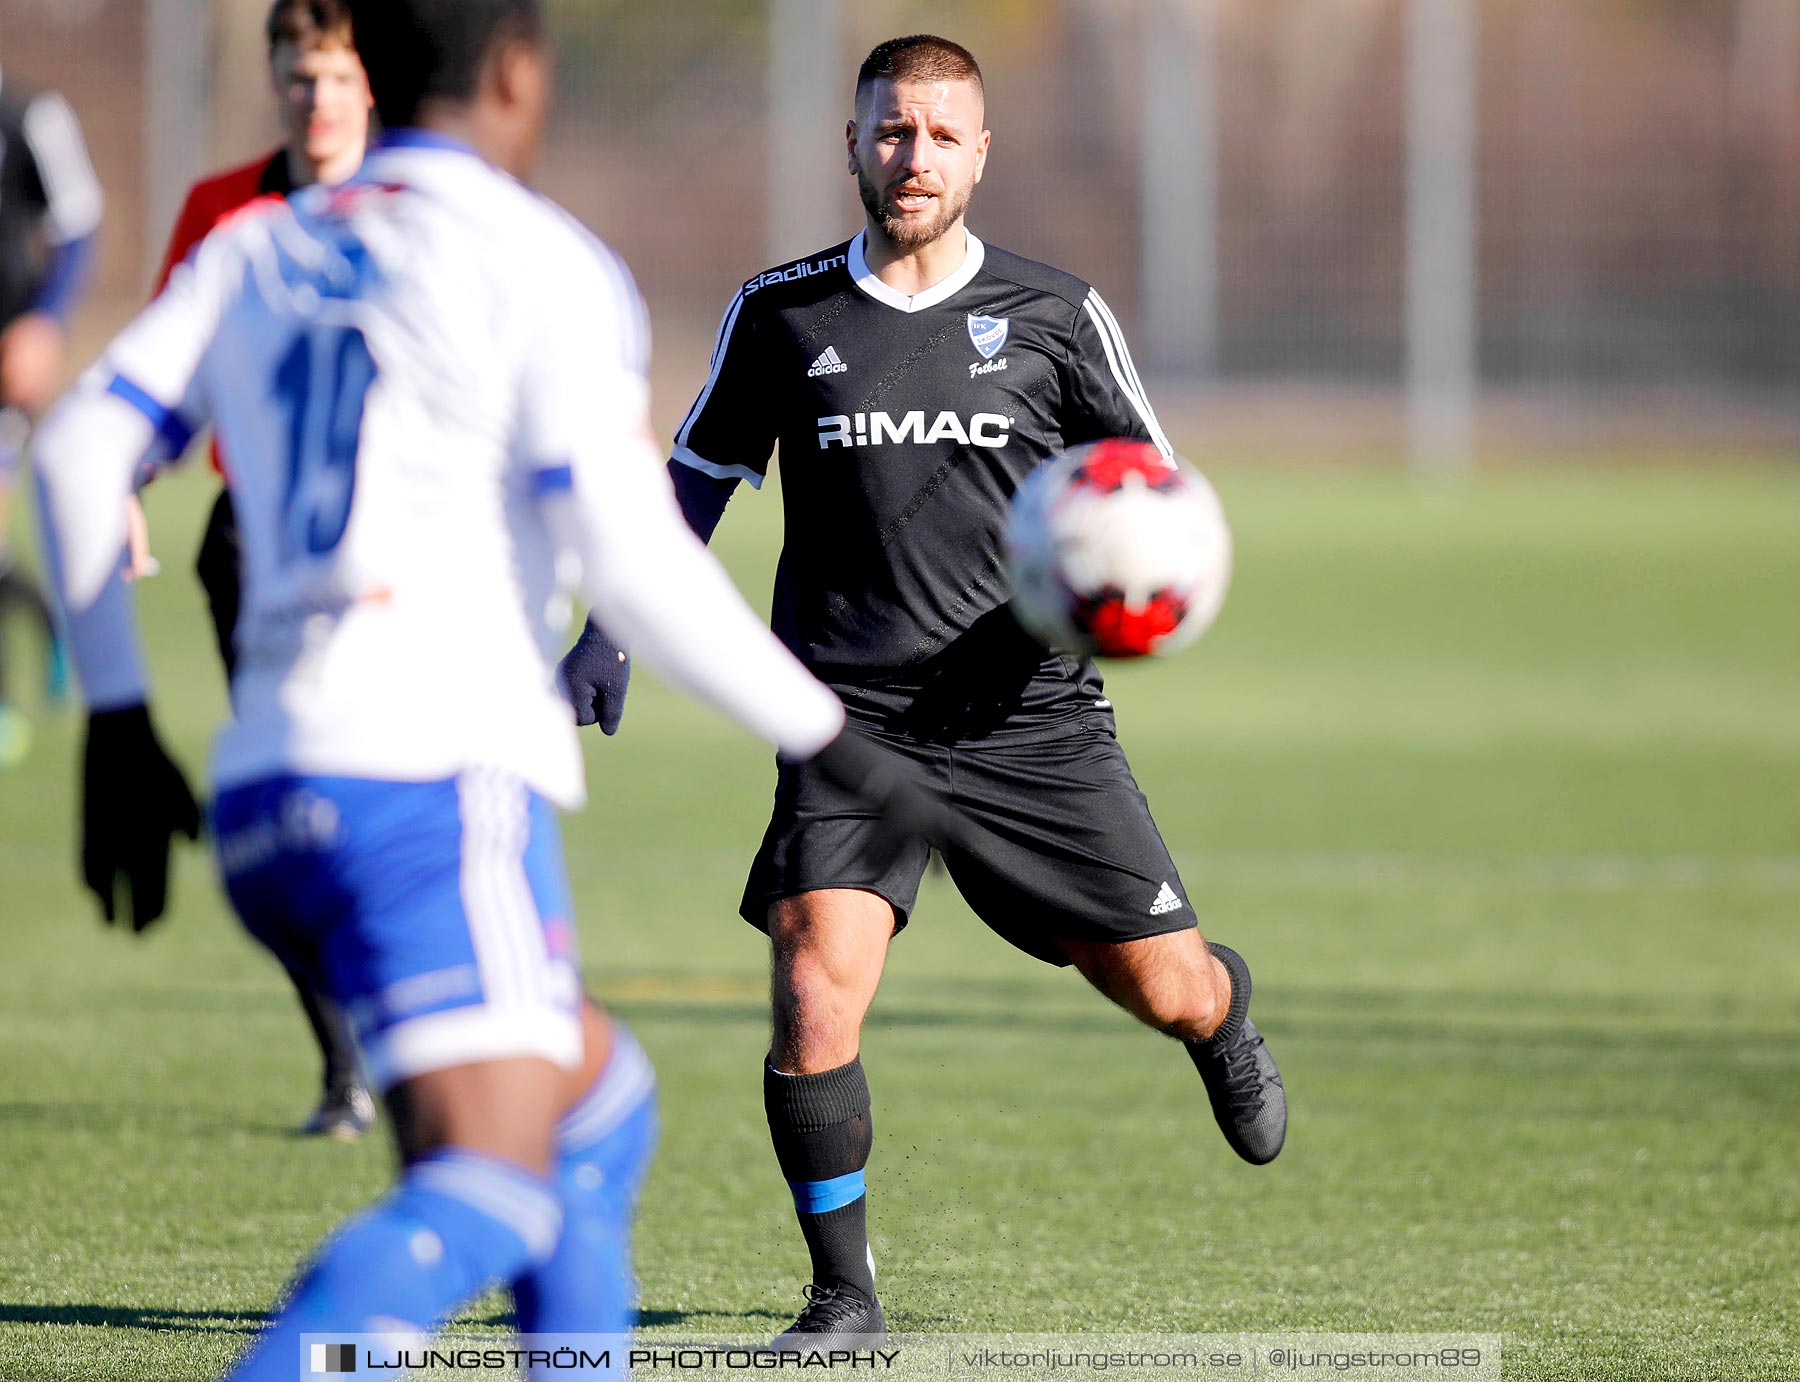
{"x":823,"y":1196}
{"x":509,"y":1194}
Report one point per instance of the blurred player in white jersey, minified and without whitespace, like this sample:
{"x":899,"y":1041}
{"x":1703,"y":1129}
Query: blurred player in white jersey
{"x":50,"y":208}
{"x":431,"y":386}
{"x":322,"y":97}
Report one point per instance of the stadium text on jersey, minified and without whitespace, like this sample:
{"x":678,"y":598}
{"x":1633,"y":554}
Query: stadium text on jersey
{"x":807,"y":270}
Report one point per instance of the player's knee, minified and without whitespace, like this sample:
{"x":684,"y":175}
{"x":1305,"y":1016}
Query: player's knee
{"x":808,"y":982}
{"x":816,"y":1025}
{"x":827,"y":952}
{"x":818,"y":1019}
{"x":506,"y":1109}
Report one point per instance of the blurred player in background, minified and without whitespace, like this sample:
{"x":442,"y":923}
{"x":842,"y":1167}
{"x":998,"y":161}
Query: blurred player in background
{"x":50,"y":206}
{"x":323,"y":98}
{"x":913,"y":377}
{"x":430,"y":387}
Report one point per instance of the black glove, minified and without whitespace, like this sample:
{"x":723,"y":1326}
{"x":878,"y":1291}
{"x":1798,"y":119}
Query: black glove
{"x":133,"y":800}
{"x":593,"y":676}
{"x":905,"y":808}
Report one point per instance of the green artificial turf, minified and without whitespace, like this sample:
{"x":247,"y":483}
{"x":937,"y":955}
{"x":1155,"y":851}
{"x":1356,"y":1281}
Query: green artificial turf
{"x":1499,"y":791}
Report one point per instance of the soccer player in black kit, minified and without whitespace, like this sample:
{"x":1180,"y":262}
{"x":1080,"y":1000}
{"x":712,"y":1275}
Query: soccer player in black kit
{"x":913,"y":376}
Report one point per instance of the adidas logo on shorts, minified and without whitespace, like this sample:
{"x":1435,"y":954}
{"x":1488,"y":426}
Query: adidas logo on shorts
{"x":828,"y":363}
{"x":1166,"y":901}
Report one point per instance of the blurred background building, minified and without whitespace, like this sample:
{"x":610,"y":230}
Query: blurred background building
{"x":1369,"y":228}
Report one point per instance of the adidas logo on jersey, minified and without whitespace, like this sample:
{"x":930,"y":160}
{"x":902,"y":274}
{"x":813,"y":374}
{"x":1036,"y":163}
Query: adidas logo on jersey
{"x":1166,"y":901}
{"x":992,"y":430}
{"x":828,"y":363}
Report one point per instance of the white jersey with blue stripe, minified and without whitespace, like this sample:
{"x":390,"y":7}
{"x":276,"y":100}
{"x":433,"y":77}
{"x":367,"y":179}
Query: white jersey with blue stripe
{"x":430,"y":387}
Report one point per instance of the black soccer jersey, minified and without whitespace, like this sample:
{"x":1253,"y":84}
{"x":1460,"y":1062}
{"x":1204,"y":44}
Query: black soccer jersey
{"x":905,"y":425}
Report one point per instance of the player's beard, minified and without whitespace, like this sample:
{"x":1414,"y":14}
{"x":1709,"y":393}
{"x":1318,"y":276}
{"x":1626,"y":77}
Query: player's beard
{"x":912,"y":232}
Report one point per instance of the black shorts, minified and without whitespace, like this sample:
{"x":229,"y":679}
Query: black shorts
{"x":1059,"y":843}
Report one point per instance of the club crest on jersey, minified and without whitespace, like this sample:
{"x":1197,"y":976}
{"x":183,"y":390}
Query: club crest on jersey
{"x":988,"y":334}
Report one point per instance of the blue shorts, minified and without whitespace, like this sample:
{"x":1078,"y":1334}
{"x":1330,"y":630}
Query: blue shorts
{"x":436,"y":914}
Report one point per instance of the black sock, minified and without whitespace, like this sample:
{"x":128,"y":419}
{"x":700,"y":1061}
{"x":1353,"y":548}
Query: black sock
{"x":332,"y":1031}
{"x":822,"y":1132}
{"x":1239,"y":973}
{"x":217,"y":566}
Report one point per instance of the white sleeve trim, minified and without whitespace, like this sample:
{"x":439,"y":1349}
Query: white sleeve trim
{"x":84,"y":455}
{"x":75,"y":199}
{"x":720,"y":344}
{"x":712,"y":468}
{"x":1124,"y":372}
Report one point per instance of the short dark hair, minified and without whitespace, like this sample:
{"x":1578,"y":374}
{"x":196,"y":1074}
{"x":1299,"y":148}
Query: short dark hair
{"x":419,"y":50}
{"x":919,"y":58}
{"x":309,"y":23}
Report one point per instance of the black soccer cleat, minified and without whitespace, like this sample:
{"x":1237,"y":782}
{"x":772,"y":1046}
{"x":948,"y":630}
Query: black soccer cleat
{"x":344,"y":1114}
{"x":835,"y":1318}
{"x":1240,"y":1075}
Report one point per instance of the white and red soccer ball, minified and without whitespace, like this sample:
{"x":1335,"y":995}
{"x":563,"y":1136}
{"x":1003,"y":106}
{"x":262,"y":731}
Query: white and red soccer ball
{"x":1115,"y":550}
